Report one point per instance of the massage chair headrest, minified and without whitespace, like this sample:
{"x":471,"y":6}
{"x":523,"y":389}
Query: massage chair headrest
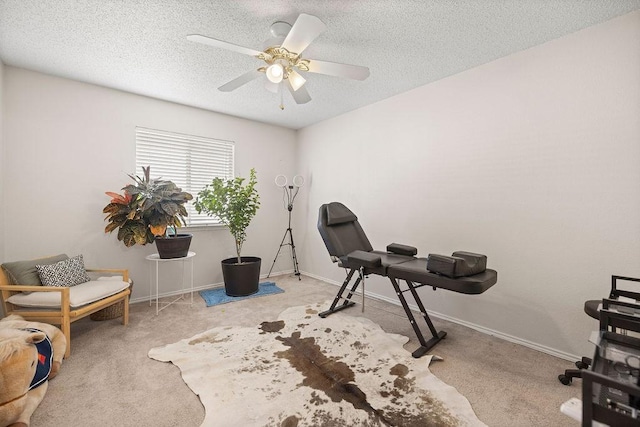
{"x":337,"y":213}
{"x":340,"y":230}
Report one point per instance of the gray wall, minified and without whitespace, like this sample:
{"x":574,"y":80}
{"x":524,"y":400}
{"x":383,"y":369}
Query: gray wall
{"x":533,"y":159}
{"x":2,"y":224}
{"x":66,"y":143}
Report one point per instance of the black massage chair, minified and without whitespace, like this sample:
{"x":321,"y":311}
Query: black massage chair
{"x":463,"y":272}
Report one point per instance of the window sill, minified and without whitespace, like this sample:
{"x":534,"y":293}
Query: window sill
{"x":202,"y":227}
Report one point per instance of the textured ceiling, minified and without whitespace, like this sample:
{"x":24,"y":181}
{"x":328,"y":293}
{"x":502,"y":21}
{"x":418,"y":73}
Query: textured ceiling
{"x":140,"y":46}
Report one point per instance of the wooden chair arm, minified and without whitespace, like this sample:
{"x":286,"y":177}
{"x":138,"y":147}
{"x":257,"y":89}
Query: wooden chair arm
{"x":123,"y":272}
{"x":7,"y":290}
{"x":33,"y":288}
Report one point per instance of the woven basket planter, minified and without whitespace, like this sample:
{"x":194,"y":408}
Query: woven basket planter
{"x":113,"y":311}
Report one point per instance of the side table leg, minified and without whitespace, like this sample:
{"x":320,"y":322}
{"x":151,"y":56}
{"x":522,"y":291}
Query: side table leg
{"x":192,"y":282}
{"x":182,"y":284}
{"x":150,"y":283}
{"x":157,"y":289}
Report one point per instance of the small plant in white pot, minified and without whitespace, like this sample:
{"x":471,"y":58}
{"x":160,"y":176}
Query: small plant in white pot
{"x":235,"y":204}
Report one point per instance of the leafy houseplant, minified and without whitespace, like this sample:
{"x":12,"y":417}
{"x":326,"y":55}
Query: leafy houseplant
{"x":147,"y":210}
{"x":234,"y":204}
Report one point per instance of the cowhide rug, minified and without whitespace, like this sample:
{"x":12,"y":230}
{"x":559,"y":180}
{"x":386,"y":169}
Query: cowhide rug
{"x":302,"y":370}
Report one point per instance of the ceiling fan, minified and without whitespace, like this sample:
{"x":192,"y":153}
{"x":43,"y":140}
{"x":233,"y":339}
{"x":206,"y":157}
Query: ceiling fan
{"x":282,"y":55}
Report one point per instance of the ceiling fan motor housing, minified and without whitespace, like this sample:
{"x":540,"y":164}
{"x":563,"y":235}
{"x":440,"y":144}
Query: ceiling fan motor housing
{"x":279,"y":30}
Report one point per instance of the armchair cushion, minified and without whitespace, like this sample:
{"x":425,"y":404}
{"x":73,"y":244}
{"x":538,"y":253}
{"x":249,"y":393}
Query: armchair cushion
{"x":69,"y":272}
{"x":25,"y":273}
{"x":79,"y":295}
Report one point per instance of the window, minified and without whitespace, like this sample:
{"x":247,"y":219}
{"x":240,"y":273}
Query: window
{"x":191,"y":162}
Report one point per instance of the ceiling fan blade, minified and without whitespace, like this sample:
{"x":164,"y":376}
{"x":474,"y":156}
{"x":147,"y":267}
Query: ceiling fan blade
{"x":239,"y":81}
{"x":301,"y":96}
{"x":304,"y":31}
{"x":355,"y":72}
{"x":223,"y":45}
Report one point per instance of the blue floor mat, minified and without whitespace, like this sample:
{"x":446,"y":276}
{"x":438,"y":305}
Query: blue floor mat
{"x":218,"y":296}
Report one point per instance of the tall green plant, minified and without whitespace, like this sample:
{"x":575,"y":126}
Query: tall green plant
{"x":233,"y":203}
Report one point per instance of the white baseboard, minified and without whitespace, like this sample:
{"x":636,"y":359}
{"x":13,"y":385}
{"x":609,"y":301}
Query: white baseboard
{"x":516,"y":340}
{"x":173,"y":293}
{"x":479,"y":328}
{"x":197,"y":288}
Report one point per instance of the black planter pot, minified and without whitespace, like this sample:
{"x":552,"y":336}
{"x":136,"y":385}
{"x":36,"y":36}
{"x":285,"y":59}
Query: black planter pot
{"x":242,"y":279}
{"x":173,"y":247}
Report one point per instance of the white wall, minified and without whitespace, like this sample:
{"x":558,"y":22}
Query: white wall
{"x":1,"y":161}
{"x":66,"y":143}
{"x":533,"y":160}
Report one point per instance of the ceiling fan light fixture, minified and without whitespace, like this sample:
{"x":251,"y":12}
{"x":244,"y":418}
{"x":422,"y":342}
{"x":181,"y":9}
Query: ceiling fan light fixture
{"x":283,"y":61}
{"x":275,"y":73}
{"x":295,"y":79}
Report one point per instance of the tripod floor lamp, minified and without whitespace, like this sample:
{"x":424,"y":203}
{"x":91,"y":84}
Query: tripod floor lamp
{"x":290,"y":193}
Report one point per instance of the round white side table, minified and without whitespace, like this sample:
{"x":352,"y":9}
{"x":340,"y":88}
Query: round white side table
{"x":155,"y":258}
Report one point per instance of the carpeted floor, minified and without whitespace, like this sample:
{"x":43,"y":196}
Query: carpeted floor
{"x":110,"y":381}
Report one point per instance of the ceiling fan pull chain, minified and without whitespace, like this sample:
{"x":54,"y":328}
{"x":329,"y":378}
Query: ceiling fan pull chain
{"x":281,"y":96}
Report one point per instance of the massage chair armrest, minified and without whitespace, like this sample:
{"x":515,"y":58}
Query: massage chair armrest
{"x":398,"y":249}
{"x":459,"y":264}
{"x":364,"y":259}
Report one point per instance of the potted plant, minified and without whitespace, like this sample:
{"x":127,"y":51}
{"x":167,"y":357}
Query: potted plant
{"x":147,"y":211}
{"x":234,"y":204}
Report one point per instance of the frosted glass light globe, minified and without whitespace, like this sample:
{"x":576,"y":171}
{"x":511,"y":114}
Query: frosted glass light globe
{"x":275,"y":72}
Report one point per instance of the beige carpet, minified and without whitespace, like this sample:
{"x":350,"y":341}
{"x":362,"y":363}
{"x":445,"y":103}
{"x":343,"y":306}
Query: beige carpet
{"x":110,"y":381}
{"x":304,"y":370}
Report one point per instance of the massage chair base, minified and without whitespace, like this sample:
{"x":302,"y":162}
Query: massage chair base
{"x":425,"y":346}
{"x":430,"y":344}
{"x":347,"y":301}
{"x":421,"y":351}
{"x":334,"y":310}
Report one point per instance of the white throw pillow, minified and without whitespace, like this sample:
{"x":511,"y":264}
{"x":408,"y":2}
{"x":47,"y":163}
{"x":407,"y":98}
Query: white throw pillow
{"x":70,"y":272}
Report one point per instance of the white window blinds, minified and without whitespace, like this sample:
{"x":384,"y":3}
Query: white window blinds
{"x":191,"y":162}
